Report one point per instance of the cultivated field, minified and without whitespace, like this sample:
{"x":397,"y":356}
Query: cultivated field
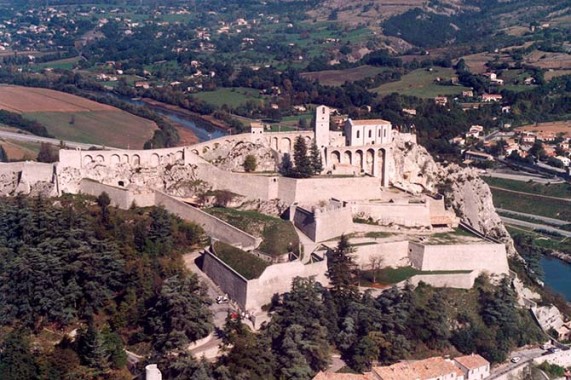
{"x":232,"y":97}
{"x":546,"y":60}
{"x":30,"y":99}
{"x":532,"y":204}
{"x":73,"y":118}
{"x":18,"y":150}
{"x":554,"y":126}
{"x":549,"y":75}
{"x":421,"y":83}
{"x":338,"y":77}
{"x":477,"y":62}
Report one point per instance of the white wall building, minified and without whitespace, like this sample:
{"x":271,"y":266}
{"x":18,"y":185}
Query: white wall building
{"x":367,"y":132}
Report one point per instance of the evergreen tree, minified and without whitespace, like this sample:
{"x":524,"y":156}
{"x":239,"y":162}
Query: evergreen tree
{"x":91,"y":349}
{"x":46,"y":153}
{"x":342,"y":273}
{"x":315,"y":159}
{"x":16,"y":360}
{"x":303,"y":167}
{"x":180,"y":314}
{"x":286,"y":167}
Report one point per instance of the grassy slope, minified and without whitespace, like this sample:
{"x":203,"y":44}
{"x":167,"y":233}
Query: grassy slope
{"x":278,"y":235}
{"x":113,"y":128}
{"x":421,"y":83}
{"x":242,"y":262}
{"x":532,"y":204}
{"x":338,"y":77}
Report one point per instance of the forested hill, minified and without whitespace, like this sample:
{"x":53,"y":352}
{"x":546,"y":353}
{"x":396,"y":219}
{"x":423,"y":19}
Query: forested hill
{"x":116,"y":275}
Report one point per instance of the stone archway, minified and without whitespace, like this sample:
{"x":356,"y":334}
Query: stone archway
{"x":155,"y":160}
{"x":125,"y":158}
{"x":275,"y":143}
{"x":369,"y":161}
{"x":335,"y":157}
{"x":115,"y":159}
{"x":87,"y":160}
{"x":285,"y":145}
{"x":136,"y":160}
{"x":347,"y":157}
{"x":358,"y":160}
{"x":99,"y":159}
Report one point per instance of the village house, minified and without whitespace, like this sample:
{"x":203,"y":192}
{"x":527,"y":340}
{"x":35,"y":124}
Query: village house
{"x":468,"y":94}
{"x":469,"y":367}
{"x":475,"y":132}
{"x":441,"y":100}
{"x":473,"y":155}
{"x":491,"y":97}
{"x":409,"y":111}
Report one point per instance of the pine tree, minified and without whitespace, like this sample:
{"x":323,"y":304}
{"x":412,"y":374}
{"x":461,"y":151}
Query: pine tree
{"x":303,"y":167}
{"x":315,"y":159}
{"x":286,"y":168}
{"x":16,"y":360}
{"x":91,"y":349}
{"x":342,"y":273}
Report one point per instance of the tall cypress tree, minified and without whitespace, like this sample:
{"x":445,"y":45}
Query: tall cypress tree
{"x":303,"y":167}
{"x":342,"y":273}
{"x":315,"y":159}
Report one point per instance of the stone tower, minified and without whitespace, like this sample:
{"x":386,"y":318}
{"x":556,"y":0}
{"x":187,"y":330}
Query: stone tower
{"x":322,"y":126}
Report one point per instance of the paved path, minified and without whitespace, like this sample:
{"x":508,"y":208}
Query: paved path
{"x":530,"y":194}
{"x":535,"y":226}
{"x":556,"y":222}
{"x":526,"y":355}
{"x":38,"y":139}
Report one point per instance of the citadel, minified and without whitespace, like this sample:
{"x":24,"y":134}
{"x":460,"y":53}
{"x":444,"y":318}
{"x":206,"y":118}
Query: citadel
{"x":378,"y":186}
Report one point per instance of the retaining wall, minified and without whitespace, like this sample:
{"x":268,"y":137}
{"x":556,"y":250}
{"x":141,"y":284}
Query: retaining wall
{"x":314,"y":190}
{"x":452,"y":280}
{"x":120,"y":197}
{"x":278,"y":278}
{"x":394,"y":254}
{"x":482,"y":257}
{"x":230,"y":281}
{"x":408,"y":215}
{"x":214,"y":227}
{"x":321,"y":225}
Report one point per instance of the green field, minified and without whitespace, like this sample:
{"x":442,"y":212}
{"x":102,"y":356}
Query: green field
{"x":560,"y":190}
{"x":232,"y":97}
{"x":278,"y":235}
{"x":390,"y":275}
{"x":242,"y":262}
{"x":118,"y":129}
{"x":339,"y":77}
{"x":532,"y":204}
{"x":421,"y":83}
{"x":64,"y":64}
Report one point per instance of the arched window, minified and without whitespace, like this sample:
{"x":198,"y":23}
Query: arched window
{"x":323,"y":109}
{"x":379,"y":133}
{"x":370,"y":133}
{"x":358,"y":134}
{"x":385,"y":132}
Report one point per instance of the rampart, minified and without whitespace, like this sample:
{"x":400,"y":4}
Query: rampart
{"x":323,"y":224}
{"x":393,"y":253}
{"x":387,"y":213}
{"x":314,"y":190}
{"x":214,"y":227}
{"x":21,"y":176}
{"x":448,"y":280}
{"x":230,"y":281}
{"x":119,"y":196}
{"x":483,"y":257}
{"x":253,"y":294}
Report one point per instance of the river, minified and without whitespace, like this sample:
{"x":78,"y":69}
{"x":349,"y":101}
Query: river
{"x":557,"y":275}
{"x":203,"y":131}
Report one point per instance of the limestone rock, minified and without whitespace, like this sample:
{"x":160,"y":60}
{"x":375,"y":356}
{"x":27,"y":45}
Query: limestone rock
{"x":8,"y":183}
{"x":471,"y":198}
{"x":274,"y":207}
{"x":413,"y":167}
{"x":231,"y":156}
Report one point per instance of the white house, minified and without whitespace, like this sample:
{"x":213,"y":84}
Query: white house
{"x":474,"y":367}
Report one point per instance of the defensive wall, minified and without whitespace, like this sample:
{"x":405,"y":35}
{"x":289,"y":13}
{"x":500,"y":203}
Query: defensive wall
{"x":483,"y":257}
{"x":448,"y":280}
{"x":214,"y":227}
{"x":393,"y":253}
{"x":21,"y":176}
{"x":120,"y":197}
{"x":323,"y":224}
{"x":253,"y":294}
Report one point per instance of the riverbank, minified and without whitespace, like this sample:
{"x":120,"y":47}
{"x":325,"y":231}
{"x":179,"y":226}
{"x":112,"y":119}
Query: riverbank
{"x":560,"y":256}
{"x":196,"y":117}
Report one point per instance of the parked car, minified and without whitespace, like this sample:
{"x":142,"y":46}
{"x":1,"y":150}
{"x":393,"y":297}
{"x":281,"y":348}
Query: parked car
{"x":516,"y":359}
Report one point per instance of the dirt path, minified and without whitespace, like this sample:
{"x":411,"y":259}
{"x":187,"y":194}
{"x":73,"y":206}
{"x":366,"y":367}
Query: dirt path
{"x":533,"y":195}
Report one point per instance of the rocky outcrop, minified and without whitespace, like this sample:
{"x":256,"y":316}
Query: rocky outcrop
{"x":231,"y":156}
{"x":471,"y":198}
{"x":274,"y":207}
{"x":413,"y":167}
